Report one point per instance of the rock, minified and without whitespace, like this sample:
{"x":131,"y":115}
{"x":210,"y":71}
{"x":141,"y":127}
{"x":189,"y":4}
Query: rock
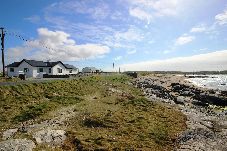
{"x":224,"y":93}
{"x":207,"y":123}
{"x":17,"y":145}
{"x":179,"y":100}
{"x":50,"y":137}
{"x":211,"y":99}
{"x":196,"y":134}
{"x":9,"y":133}
{"x":176,"y":86}
{"x":206,"y":129}
{"x":186,"y":93}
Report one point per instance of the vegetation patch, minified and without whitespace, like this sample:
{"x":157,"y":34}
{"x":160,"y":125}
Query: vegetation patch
{"x":31,"y":112}
{"x":111,"y":114}
{"x":8,"y":79}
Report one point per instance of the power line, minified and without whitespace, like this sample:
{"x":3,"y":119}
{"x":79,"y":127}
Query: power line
{"x":42,"y":44}
{"x":28,"y":40}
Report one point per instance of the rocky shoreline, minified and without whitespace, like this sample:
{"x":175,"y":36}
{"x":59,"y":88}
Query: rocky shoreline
{"x":204,"y":108}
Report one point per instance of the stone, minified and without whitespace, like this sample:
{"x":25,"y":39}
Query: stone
{"x":17,"y":145}
{"x":9,"y":133}
{"x":179,"y":100}
{"x":186,"y":93}
{"x":206,"y":129}
{"x":195,"y":134}
{"x":211,"y":99}
{"x":50,"y":137}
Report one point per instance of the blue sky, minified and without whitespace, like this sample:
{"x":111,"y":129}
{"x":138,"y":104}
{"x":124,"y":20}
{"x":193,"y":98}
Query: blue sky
{"x":134,"y":34}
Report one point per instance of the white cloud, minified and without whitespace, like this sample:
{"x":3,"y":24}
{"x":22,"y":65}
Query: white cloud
{"x":132,"y":34}
{"x":97,"y":10}
{"x":166,"y":51}
{"x":117,"y":15}
{"x":124,"y":39}
{"x":221,"y":18}
{"x":199,"y":29}
{"x":140,"y":14}
{"x":100,"y":12}
{"x":166,"y":7}
{"x":16,"y":53}
{"x":60,"y":47}
{"x":118,"y":58}
{"x":131,"y":52}
{"x":156,"y":8}
{"x":33,"y":19}
{"x":202,"y":62}
{"x":184,"y":40}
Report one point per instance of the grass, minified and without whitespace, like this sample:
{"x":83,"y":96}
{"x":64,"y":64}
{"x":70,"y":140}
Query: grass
{"x":112,"y":114}
{"x":7,"y":79}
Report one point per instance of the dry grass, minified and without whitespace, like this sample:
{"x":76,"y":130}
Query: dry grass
{"x":7,"y":79}
{"x":112,"y":115}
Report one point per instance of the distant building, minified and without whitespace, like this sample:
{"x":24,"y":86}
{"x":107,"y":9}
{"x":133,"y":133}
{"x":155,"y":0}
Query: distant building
{"x":90,"y":70}
{"x":36,"y":69}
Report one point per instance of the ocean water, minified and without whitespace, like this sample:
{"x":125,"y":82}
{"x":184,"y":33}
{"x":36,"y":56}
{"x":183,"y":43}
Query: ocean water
{"x":211,"y":82}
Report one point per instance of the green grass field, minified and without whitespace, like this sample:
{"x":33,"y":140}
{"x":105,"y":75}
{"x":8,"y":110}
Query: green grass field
{"x":112,"y":114}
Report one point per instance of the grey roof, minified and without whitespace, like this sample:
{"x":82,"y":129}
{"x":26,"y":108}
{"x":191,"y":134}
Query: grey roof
{"x":15,"y":64}
{"x":52,"y":64}
{"x":90,"y":68}
{"x":35,"y":63}
{"x":68,"y":66}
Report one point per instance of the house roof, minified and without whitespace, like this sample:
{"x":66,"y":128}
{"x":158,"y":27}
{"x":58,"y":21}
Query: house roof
{"x":68,"y":66}
{"x":90,"y":68}
{"x":15,"y":64}
{"x":52,"y":64}
{"x":35,"y":63}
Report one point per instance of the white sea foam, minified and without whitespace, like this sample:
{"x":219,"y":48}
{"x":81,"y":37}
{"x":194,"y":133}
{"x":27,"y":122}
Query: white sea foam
{"x":211,"y":82}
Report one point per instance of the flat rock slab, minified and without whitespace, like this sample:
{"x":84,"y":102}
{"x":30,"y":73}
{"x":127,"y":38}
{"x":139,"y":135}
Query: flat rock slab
{"x":50,"y":137}
{"x":9,"y":133}
{"x":17,"y":145}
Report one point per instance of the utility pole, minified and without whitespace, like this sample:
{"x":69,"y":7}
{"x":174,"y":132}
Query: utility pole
{"x":113,"y":66}
{"x":2,"y":43}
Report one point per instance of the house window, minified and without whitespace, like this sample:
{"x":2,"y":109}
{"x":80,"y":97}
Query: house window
{"x":70,"y":71}
{"x":11,"y":69}
{"x":59,"y":70}
{"x":26,"y":69}
{"x":40,"y":70}
{"x":49,"y":70}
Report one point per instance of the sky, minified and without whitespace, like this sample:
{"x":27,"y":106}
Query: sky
{"x":135,"y":35}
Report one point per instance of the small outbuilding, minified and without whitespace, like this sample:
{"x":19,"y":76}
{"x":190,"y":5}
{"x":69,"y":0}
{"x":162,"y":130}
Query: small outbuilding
{"x":90,"y":70}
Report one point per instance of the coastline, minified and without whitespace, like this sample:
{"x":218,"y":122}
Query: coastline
{"x":205,"y":110}
{"x":216,"y":82}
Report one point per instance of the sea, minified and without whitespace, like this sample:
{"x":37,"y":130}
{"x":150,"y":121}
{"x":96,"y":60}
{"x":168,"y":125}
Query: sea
{"x":216,"y":82}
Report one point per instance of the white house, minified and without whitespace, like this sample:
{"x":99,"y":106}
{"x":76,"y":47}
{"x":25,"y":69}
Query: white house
{"x":36,"y":69}
{"x":90,"y":70}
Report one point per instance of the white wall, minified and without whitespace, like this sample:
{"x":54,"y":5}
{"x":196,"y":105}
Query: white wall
{"x":20,"y":69}
{"x":74,"y":71}
{"x":33,"y":71}
{"x":11,"y":74}
{"x":55,"y":69}
{"x":38,"y":74}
